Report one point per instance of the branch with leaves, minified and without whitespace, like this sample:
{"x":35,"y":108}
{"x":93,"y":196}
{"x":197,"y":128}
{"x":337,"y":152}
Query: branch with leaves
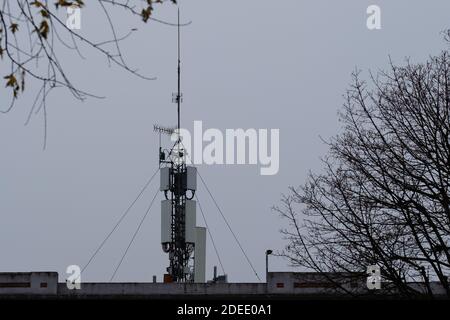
{"x":31,"y":31}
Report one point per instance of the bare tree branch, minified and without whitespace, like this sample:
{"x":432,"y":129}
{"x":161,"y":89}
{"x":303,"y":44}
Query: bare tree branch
{"x":384,"y":196}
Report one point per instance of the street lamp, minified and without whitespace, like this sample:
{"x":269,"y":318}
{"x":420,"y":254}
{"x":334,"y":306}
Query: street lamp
{"x":268,"y":252}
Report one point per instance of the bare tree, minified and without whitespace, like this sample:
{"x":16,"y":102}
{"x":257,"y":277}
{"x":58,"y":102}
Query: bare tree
{"x":31,"y":31}
{"x":383,"y":198}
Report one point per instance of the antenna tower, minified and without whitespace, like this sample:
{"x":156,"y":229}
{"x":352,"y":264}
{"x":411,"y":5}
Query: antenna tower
{"x":180,"y":237}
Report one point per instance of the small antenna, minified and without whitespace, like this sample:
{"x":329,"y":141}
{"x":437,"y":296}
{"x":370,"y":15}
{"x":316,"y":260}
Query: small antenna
{"x":162,"y":130}
{"x":179,"y":71}
{"x":178,"y":97}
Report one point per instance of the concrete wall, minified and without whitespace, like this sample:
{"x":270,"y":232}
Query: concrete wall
{"x":279,"y":283}
{"x":314,"y":283}
{"x":35,"y":283}
{"x":134,"y":289}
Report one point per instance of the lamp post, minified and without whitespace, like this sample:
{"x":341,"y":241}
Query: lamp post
{"x":268,"y":252}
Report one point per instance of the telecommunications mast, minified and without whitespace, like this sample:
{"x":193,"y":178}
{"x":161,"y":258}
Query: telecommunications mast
{"x":180,"y":237}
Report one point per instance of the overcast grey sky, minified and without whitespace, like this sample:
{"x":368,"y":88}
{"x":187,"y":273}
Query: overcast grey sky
{"x":246,"y":64}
